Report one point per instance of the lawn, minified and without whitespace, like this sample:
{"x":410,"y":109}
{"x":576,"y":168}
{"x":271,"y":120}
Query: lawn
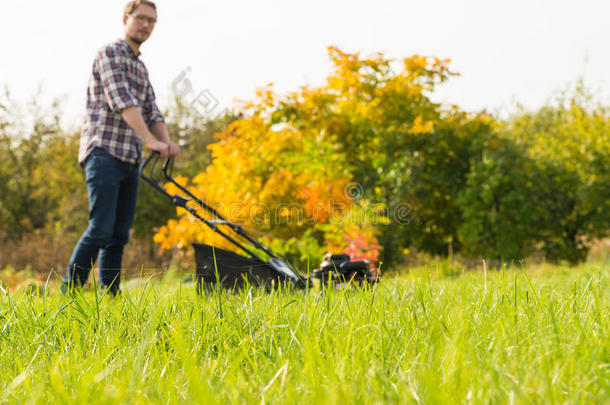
{"x":523,"y":336}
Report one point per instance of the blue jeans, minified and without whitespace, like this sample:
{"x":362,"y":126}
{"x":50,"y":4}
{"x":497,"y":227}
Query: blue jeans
{"x":112,"y":186}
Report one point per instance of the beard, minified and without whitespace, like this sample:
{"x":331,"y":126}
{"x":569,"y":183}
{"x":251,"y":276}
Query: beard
{"x":137,"y":40}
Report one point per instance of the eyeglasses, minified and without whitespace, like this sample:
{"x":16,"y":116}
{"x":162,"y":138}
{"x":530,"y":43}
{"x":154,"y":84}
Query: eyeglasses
{"x":142,"y":18}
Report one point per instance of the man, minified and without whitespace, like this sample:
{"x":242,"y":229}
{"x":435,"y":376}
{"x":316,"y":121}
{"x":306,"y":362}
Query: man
{"x":122,"y":116}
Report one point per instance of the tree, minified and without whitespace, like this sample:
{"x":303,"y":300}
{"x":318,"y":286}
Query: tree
{"x":570,"y":142}
{"x":33,"y":157}
{"x":371,"y":137}
{"x":497,"y":204}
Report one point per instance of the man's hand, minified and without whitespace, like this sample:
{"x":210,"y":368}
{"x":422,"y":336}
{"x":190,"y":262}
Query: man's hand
{"x":159,"y":131}
{"x":158,"y":146}
{"x":174,"y":149}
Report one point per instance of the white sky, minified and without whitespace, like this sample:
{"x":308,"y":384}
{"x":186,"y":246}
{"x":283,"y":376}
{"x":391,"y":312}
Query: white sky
{"x":505,"y":51}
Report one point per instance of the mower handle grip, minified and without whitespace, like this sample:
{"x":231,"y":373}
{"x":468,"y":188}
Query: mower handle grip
{"x":168,"y":164}
{"x":154,"y":155}
{"x":168,"y":167}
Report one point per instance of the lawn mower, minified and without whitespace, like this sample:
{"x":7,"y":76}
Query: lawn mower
{"x":258,"y":266}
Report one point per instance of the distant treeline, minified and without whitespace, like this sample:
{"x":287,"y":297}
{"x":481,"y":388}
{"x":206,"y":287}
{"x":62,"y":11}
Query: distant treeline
{"x":537,"y":183}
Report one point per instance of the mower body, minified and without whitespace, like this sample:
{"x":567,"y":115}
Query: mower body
{"x":232,"y":270}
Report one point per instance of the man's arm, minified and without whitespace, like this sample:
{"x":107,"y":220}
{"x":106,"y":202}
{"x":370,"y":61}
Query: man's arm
{"x":156,"y":122}
{"x":134,"y":119}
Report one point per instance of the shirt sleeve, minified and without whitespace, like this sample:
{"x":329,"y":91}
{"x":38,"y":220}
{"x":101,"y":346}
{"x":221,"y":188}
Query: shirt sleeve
{"x":152,"y":113}
{"x":114,"y":81}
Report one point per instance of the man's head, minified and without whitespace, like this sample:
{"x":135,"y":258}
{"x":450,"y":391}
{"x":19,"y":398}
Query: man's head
{"x":139,"y":20}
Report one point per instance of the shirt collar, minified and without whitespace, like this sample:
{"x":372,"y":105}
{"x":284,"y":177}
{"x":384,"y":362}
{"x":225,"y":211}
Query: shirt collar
{"x":129,"y":49}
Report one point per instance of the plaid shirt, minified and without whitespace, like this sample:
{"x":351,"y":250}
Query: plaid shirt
{"x":118,"y":80}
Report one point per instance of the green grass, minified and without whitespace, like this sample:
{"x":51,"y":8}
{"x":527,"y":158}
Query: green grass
{"x":502,"y":336}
